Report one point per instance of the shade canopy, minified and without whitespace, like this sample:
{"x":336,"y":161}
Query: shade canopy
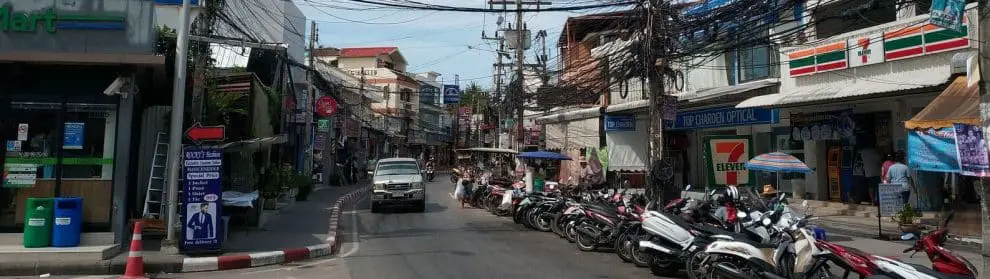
{"x":777,"y":162}
{"x":958,"y":103}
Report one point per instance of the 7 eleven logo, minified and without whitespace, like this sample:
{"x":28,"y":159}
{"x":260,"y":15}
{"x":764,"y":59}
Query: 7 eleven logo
{"x":728,"y":159}
{"x":864,"y":52}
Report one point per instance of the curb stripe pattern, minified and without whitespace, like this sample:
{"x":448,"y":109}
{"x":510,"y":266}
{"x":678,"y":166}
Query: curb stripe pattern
{"x":279,"y":257}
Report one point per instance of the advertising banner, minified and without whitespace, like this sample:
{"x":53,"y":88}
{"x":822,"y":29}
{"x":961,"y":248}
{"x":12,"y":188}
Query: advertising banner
{"x":933,"y":150}
{"x":202,"y":198}
{"x":972,"y":147}
{"x":727,"y":157}
{"x":948,"y":14}
{"x":72,"y":137}
{"x":828,"y":125}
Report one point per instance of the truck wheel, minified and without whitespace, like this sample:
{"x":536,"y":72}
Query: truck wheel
{"x":375,"y":208}
{"x":421,"y":207}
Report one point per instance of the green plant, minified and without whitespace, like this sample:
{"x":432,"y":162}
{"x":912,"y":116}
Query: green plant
{"x":305,"y":186}
{"x":275,"y":178}
{"x":218,"y":106}
{"x":907,"y":215}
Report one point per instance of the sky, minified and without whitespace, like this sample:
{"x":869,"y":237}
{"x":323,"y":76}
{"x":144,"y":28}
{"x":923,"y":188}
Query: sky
{"x":429,"y":40}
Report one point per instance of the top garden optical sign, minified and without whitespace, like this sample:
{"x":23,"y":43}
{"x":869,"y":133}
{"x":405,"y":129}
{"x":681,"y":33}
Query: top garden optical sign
{"x":50,"y":21}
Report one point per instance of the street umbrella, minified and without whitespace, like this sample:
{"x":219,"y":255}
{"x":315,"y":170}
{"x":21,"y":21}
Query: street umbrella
{"x":777,"y":162}
{"x":546,"y":155}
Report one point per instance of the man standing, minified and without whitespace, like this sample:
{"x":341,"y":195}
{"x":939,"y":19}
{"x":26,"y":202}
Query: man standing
{"x":899,"y":173}
{"x":201,"y":223}
{"x":871,"y":167}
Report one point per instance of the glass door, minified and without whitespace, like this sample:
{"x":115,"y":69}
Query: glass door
{"x":29,"y":159}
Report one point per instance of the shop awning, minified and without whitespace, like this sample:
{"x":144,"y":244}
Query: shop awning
{"x":573,"y":134}
{"x":715,"y":92}
{"x":637,"y":104}
{"x":857,"y":88}
{"x":958,"y":103}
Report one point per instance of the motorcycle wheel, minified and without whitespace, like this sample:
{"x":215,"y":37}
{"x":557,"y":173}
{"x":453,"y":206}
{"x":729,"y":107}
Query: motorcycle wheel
{"x":736,"y":263}
{"x":693,"y":267}
{"x":542,"y":221}
{"x":623,"y":247}
{"x":639,"y":258}
{"x":570,"y":232}
{"x":586,"y":243}
{"x":662,"y":265}
{"x":518,"y":217}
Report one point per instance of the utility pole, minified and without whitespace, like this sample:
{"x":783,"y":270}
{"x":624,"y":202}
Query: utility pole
{"x":175,"y":129}
{"x":308,"y":104}
{"x":655,"y":64}
{"x":520,"y":59}
{"x":984,"y":61}
{"x":199,"y":68}
{"x":498,"y":70}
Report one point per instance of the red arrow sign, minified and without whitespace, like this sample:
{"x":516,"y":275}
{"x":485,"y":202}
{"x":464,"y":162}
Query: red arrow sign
{"x":198,"y":132}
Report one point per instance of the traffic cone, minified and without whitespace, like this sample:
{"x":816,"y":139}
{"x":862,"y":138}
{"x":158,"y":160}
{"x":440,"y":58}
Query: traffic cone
{"x":135,"y":263}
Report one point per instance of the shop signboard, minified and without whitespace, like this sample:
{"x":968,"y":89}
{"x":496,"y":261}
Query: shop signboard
{"x":727,"y":157}
{"x":451,"y":94}
{"x":201,"y":171}
{"x":866,"y":50}
{"x":323,"y":125}
{"x":428,"y":94}
{"x":890,"y":199}
{"x":723,"y":117}
{"x":948,"y":14}
{"x":973,"y":160}
{"x":933,"y":150}
{"x":828,"y":125}
{"x":620,"y":122}
{"x":72,"y":137}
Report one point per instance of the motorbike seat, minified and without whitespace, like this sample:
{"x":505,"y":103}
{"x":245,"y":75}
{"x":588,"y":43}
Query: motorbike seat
{"x":928,"y":271}
{"x":604,"y":210}
{"x":712,"y":230}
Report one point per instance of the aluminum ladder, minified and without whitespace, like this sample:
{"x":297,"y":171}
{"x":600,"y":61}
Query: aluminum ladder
{"x":154,"y":198}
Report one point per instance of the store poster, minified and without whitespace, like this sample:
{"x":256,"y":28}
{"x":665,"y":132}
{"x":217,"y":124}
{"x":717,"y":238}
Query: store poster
{"x":22,"y":131}
{"x":20,"y":175}
{"x":933,"y":150}
{"x":14,"y":146}
{"x":726,"y":157}
{"x":202,"y":199}
{"x":972,"y":147}
{"x":73,"y":135}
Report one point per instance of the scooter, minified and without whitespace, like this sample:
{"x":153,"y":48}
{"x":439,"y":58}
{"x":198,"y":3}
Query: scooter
{"x":943,"y":260}
{"x":429,"y":174}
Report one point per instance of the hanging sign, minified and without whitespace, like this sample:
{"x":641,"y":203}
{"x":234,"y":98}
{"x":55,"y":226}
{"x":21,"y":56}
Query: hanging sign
{"x":972,"y":147}
{"x":202,"y":194}
{"x":948,"y":14}
{"x":866,"y":50}
{"x":326,"y":106}
{"x":323,"y":125}
{"x":72,"y":137}
{"x":727,"y":157}
{"x":723,"y":117}
{"x":199,"y":133}
{"x":451,"y":94}
{"x":933,"y":150}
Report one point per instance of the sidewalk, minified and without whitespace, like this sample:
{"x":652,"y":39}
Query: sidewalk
{"x":297,"y":232}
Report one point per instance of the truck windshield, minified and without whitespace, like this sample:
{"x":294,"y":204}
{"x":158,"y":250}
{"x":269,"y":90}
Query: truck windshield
{"x":397,"y":168}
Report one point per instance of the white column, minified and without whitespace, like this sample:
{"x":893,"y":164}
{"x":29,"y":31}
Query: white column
{"x":109,"y":141}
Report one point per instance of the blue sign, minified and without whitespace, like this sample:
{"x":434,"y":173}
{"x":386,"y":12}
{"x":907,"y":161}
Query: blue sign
{"x":175,"y":2}
{"x":451,"y":94}
{"x":428,"y":94}
{"x":202,"y":200}
{"x":933,"y":150}
{"x":723,"y":117}
{"x":72,"y":138}
{"x":620,"y":122}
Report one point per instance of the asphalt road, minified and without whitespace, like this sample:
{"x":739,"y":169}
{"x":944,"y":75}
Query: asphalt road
{"x":444,"y":242}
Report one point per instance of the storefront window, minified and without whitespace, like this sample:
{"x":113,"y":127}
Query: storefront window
{"x":35,"y":133}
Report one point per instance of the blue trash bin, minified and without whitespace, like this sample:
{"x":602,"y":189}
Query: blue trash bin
{"x":67,"y":230}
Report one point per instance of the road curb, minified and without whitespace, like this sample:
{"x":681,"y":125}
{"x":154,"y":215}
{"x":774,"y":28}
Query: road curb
{"x":200,"y":264}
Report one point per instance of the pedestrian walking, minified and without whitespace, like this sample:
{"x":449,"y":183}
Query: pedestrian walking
{"x":899,"y":173}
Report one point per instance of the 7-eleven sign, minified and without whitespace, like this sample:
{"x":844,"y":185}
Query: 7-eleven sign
{"x":727,"y":156}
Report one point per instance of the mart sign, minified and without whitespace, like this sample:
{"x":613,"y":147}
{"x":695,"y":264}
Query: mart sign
{"x":727,"y":156}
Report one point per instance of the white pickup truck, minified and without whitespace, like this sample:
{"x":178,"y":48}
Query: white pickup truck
{"x":398,"y":181}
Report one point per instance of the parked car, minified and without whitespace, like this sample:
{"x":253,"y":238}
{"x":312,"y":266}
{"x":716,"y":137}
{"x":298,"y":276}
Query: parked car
{"x":398,"y":181}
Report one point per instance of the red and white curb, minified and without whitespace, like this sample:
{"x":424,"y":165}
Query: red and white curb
{"x":277,"y":257}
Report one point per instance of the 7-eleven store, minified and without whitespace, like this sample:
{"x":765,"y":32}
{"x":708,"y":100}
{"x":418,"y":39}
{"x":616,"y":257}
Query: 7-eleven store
{"x":852,"y":92}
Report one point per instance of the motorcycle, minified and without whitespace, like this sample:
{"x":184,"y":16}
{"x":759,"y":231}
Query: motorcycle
{"x":943,"y":261}
{"x":430,"y":175}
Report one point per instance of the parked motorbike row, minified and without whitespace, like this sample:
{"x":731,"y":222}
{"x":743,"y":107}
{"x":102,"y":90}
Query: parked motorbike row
{"x":732,"y":233}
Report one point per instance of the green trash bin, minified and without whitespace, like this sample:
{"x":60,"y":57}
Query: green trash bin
{"x":38,"y":222}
